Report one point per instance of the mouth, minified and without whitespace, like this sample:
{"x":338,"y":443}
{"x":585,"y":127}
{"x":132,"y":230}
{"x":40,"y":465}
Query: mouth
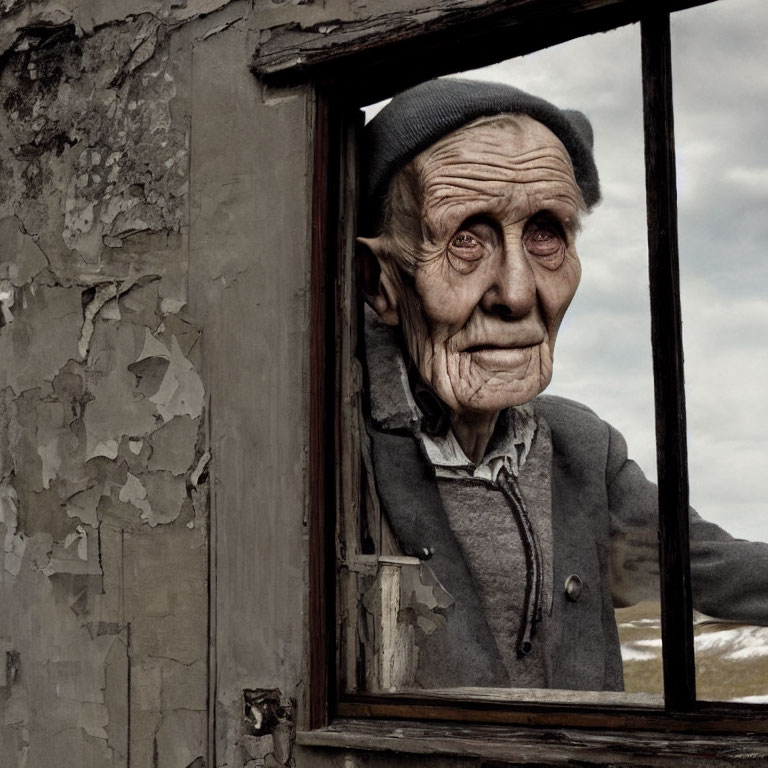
{"x":500,"y":347}
{"x":496,"y":357}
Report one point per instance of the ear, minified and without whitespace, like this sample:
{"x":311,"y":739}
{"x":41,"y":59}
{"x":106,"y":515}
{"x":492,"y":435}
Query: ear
{"x":376,"y":278}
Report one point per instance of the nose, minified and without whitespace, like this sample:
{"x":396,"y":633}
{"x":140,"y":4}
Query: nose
{"x":512,"y":290}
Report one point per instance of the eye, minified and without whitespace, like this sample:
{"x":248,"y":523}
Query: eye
{"x":469,"y":244}
{"x":543,"y":239}
{"x":466,"y":246}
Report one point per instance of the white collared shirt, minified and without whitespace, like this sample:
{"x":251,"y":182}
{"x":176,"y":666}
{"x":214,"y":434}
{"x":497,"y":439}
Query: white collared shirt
{"x":508,"y":448}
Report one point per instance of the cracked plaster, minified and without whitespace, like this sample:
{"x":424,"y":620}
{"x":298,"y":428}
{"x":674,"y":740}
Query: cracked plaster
{"x":103,"y":595}
{"x":103,"y":448}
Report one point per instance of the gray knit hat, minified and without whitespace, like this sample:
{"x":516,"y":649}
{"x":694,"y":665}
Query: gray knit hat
{"x":415,"y":119}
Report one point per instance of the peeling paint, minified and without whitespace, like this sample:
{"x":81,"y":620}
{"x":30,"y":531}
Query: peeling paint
{"x":81,"y":559}
{"x":78,"y":535}
{"x":103,"y":293}
{"x":96,"y":440}
{"x":181,"y":391}
{"x":51,"y":459}
{"x":197,"y":474}
{"x":104,"y":445}
{"x":14,"y":543}
{"x":7,"y":299}
{"x":83,"y":505}
{"x":133,"y":492}
{"x":403,"y":604}
{"x":91,"y":137}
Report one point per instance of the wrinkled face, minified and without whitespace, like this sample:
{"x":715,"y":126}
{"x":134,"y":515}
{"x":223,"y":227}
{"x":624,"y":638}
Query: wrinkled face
{"x":497,"y":267}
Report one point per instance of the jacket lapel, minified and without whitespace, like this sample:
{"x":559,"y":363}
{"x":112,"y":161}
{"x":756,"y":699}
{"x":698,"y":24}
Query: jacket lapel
{"x":582,"y":644}
{"x":463,"y":653}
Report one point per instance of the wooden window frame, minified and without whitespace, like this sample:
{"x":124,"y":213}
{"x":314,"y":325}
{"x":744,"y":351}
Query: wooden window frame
{"x":380,"y":66}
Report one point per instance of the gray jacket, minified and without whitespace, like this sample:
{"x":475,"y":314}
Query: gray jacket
{"x":604,"y":523}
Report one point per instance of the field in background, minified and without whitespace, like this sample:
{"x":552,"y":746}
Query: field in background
{"x":731,"y":659}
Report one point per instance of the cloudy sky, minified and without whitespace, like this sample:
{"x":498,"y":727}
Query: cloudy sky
{"x":603,"y":356}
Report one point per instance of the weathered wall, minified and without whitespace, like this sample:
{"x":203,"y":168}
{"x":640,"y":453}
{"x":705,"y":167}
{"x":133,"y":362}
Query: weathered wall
{"x":103,"y":492}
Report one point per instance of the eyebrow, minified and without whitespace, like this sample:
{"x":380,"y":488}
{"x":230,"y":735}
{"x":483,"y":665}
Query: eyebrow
{"x":572,"y":224}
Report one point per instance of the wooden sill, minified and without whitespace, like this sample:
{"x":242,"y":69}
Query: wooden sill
{"x":557,"y":709}
{"x":511,"y":746}
{"x":539,"y":696}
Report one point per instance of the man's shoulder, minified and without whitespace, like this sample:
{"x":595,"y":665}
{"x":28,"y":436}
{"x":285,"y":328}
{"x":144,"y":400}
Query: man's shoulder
{"x":564,"y":408}
{"x":575,"y":427}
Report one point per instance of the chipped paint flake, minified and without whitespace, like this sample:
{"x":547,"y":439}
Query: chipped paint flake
{"x":194,"y":478}
{"x":76,"y":555}
{"x":103,"y":294}
{"x":51,"y":458}
{"x":84,"y":504}
{"x":134,"y":493}
{"x":78,"y":535}
{"x":153,"y":347}
{"x":14,"y":543}
{"x":170,"y":306}
{"x":159,"y":498}
{"x":7,"y":299}
{"x":182,"y":390}
{"x":108,"y":448}
{"x":168,"y":494}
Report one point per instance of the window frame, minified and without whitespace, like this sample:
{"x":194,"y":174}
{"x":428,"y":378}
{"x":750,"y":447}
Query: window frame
{"x":380,"y":68}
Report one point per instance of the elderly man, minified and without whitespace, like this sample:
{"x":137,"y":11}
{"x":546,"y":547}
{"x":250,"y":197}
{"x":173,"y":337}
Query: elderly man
{"x":525,"y":507}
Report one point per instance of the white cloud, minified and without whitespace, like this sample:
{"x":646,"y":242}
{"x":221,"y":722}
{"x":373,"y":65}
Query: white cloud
{"x":748,"y":180}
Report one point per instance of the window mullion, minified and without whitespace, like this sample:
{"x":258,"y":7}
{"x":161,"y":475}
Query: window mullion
{"x":666,"y":334}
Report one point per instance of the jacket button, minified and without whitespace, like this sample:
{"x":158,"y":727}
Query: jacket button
{"x":573,"y":585}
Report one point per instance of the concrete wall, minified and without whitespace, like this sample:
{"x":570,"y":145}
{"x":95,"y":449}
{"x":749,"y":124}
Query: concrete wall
{"x":103,"y":490}
{"x":153,"y":344}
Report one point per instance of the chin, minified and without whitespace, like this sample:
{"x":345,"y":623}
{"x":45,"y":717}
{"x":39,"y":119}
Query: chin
{"x":488,"y":392}
{"x":491,"y":399}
